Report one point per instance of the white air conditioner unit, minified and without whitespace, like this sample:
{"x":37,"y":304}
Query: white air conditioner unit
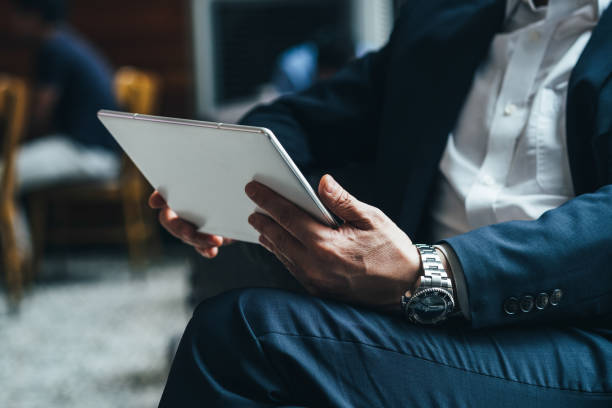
{"x":236,"y":41}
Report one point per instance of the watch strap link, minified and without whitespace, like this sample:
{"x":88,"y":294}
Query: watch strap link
{"x":434,"y":274}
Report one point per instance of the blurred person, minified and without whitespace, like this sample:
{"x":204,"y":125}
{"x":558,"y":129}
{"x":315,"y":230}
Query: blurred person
{"x":489,"y":123}
{"x":297,"y":68}
{"x":303,"y":64}
{"x":72,"y":82}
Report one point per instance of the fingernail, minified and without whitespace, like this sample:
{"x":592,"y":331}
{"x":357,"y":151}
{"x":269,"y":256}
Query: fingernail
{"x":254,"y":222}
{"x":331,"y":186}
{"x":250,"y":190}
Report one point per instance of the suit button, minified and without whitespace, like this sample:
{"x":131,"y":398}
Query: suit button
{"x":542,"y":301}
{"x":526,"y":303}
{"x":556,"y":296}
{"x":511,"y":306}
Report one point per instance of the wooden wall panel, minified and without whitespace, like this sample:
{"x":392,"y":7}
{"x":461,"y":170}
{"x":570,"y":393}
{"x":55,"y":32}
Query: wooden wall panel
{"x":150,"y":34}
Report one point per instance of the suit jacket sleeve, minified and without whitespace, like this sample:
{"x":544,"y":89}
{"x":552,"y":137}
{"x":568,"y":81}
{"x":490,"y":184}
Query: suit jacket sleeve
{"x":333,"y":120}
{"x":567,"y":248}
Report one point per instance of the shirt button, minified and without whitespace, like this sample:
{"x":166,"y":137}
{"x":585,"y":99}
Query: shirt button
{"x":541,"y":301}
{"x":488,"y":180}
{"x":556,"y":296}
{"x":526,"y":303}
{"x":511,"y":306}
{"x":509,"y":109}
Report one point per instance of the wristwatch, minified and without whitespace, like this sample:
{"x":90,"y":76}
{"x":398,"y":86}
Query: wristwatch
{"x":432,"y":301}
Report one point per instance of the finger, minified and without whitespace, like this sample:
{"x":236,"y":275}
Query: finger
{"x":226,"y":241}
{"x":290,"y":266}
{"x":208,"y":252}
{"x":266,"y":243}
{"x":270,"y":247}
{"x":295,"y":271}
{"x":344,"y":205}
{"x":293,"y":219}
{"x":156,"y":201}
{"x":186,"y":231}
{"x":282,"y":240}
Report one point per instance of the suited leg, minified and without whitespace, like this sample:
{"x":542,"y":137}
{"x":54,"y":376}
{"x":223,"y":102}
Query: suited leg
{"x":240,"y":265}
{"x":266,"y":347}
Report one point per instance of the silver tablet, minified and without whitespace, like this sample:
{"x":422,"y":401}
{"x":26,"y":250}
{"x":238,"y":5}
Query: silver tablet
{"x":201,"y":169}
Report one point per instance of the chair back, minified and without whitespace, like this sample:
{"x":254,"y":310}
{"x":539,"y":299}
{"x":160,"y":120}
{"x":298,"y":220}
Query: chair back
{"x":137,"y":91}
{"x":13,"y":102}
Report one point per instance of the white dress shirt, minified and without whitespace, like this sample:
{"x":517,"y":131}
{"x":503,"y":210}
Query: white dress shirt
{"x":507,"y":157}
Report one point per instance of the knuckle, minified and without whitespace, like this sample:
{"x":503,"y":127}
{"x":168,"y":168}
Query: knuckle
{"x":201,"y":240}
{"x":168,"y":224}
{"x":324,"y":250}
{"x":343,"y":199}
{"x":318,"y":245}
{"x":377,"y":216}
{"x":187,"y":233}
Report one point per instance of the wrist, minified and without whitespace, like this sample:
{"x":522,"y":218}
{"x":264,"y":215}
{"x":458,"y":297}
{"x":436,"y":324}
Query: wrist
{"x":414,"y":270}
{"x":449,"y":273}
{"x":407,"y":275}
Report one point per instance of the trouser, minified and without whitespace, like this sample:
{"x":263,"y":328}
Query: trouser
{"x":271,"y":347}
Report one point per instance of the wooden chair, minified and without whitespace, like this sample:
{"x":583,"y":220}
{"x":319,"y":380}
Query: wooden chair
{"x":137,"y":92}
{"x":13,"y":101}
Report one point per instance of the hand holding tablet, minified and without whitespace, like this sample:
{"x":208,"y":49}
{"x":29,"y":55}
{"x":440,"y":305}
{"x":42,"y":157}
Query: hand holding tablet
{"x":200,"y":169}
{"x":205,"y":244}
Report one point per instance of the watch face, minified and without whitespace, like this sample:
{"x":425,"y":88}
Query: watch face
{"x":430,"y":305}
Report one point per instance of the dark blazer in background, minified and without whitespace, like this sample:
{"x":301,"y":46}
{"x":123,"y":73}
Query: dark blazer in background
{"x":395,"y":109}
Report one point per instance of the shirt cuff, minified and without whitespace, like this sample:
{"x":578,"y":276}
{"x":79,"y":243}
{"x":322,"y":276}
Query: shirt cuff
{"x":458,"y":277}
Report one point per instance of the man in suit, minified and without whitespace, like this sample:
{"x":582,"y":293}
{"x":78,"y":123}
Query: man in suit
{"x":489,"y":127}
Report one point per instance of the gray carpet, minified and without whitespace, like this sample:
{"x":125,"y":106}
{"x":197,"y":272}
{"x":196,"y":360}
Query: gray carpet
{"x":91,"y":335}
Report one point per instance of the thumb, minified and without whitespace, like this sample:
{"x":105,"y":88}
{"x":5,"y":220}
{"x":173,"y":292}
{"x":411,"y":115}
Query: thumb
{"x":344,"y":205}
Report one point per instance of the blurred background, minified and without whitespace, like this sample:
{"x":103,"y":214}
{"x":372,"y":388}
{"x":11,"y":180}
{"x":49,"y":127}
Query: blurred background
{"x":94,"y":294}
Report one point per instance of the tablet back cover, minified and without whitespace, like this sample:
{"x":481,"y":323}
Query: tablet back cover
{"x":201,"y":170}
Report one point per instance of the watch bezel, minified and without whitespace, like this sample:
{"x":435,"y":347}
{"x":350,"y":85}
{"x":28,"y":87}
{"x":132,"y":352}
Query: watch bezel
{"x":440,"y":292}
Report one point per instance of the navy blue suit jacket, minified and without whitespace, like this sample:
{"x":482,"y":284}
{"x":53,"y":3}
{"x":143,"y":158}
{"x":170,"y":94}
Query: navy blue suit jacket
{"x":396,"y":108}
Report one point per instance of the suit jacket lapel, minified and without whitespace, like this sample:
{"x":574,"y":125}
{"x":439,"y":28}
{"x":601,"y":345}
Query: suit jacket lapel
{"x":589,"y":110}
{"x":437,"y":48}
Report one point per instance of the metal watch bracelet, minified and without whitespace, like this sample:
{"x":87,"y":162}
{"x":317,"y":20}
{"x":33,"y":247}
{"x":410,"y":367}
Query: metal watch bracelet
{"x":434,"y":274}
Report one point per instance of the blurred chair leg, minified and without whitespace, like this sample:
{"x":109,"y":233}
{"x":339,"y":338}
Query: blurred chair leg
{"x":154,"y":240}
{"x":38,"y":220}
{"x":13,"y":261}
{"x":136,"y":230}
